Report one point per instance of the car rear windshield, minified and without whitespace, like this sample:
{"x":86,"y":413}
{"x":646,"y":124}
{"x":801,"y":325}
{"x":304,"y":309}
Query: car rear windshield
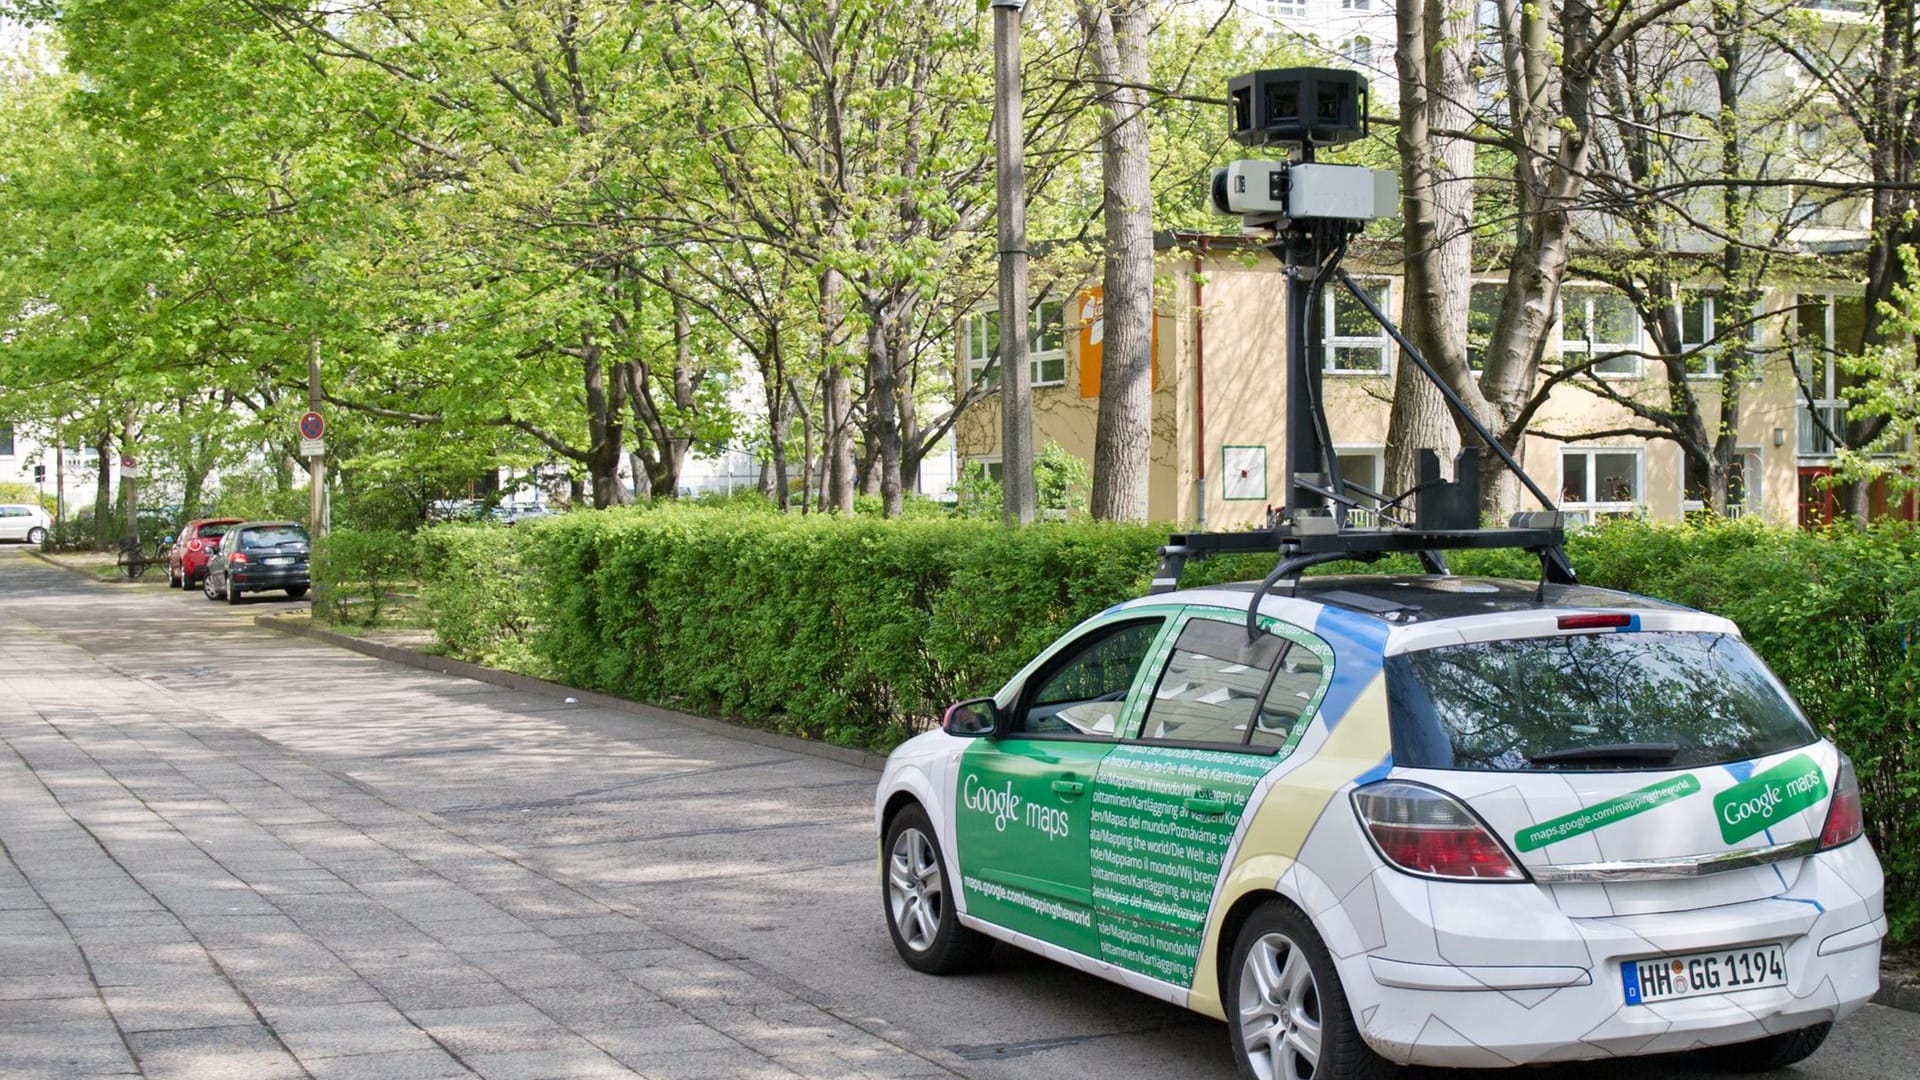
{"x":275,"y":536}
{"x":210,"y":532}
{"x":1637,"y":700}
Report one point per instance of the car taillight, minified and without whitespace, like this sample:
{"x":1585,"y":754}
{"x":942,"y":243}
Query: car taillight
{"x":1844,"y":820}
{"x":1425,"y":831}
{"x":237,"y":557}
{"x":193,"y":545}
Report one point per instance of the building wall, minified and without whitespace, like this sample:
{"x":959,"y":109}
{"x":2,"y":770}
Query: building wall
{"x":1223,"y":385}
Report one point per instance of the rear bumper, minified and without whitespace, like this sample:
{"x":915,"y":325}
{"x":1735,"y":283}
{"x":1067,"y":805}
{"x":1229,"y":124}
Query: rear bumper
{"x":265,"y":578}
{"x":1492,"y":975}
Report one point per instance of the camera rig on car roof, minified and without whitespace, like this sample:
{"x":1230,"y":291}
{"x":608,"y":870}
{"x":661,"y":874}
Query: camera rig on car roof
{"x":1311,"y":211}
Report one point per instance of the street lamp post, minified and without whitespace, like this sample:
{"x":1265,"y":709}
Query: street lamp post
{"x":1016,"y":381}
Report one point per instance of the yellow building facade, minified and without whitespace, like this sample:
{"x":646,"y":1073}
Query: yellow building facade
{"x":1219,"y":399}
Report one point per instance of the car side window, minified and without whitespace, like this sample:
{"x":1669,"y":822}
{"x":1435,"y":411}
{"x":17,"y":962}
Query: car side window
{"x":1291,"y":696}
{"x":1083,"y":690}
{"x":1211,"y":682}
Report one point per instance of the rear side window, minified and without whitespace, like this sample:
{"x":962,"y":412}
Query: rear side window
{"x":1640,"y":700}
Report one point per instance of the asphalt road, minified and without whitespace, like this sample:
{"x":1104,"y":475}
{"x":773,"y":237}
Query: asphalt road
{"x":229,"y":852}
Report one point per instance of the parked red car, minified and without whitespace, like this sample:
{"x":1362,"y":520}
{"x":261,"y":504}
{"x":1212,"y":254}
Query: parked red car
{"x":197,"y":539}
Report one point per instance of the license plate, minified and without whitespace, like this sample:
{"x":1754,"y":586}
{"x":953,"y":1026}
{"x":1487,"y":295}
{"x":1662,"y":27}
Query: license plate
{"x":279,"y":562}
{"x":1669,"y":978}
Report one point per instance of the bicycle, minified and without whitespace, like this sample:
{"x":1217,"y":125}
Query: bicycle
{"x":134,"y":559}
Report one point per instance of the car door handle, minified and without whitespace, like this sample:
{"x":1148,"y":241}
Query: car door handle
{"x":1205,"y":806}
{"x":1069,"y":787}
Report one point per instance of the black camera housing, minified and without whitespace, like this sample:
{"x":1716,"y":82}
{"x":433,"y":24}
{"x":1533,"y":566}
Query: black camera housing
{"x":1303,"y":106}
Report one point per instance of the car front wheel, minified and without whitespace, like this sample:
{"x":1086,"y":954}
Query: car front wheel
{"x":919,"y":903}
{"x":1286,"y":1008}
{"x":1767,"y":1054}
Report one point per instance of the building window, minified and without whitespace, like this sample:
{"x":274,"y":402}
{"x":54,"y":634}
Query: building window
{"x":1743,"y":484}
{"x":1046,"y":344}
{"x":1826,"y":326}
{"x":1355,"y":343}
{"x":1605,"y":480}
{"x":1357,"y":51}
{"x":1286,"y":8}
{"x":1355,"y":5}
{"x":1367,"y":467}
{"x":6,"y":440}
{"x":1604,"y":322}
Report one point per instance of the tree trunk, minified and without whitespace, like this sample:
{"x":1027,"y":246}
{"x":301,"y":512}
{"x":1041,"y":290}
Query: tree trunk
{"x":1123,"y":442}
{"x":129,"y":485}
{"x":1436,"y":179}
{"x":103,"y":492}
{"x":604,"y":429}
{"x":883,"y":419}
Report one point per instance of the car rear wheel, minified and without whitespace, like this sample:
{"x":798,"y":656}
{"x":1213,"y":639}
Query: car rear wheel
{"x":920,"y":913}
{"x":1768,"y":1054}
{"x":207,"y":589}
{"x":233,"y":591}
{"x":297,"y":591}
{"x":1286,"y":1009}
{"x":36,"y":535}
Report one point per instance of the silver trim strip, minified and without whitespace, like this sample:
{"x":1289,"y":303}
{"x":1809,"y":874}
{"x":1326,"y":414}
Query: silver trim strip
{"x":1685,"y":866}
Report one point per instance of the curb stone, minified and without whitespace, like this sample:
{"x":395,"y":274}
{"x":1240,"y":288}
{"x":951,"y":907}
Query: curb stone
{"x":299,"y":626}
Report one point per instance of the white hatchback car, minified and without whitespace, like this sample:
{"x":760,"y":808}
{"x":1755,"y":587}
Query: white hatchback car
{"x":1425,"y":820}
{"x":19,"y":521}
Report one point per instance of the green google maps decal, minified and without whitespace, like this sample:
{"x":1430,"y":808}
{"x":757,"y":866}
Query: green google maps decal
{"x":1588,"y":818}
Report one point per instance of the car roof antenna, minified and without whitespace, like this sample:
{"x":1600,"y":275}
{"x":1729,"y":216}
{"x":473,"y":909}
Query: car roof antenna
{"x":1307,"y":213}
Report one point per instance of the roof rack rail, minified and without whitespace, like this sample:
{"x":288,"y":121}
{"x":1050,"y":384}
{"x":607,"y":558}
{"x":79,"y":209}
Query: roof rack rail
{"x":1310,"y":225}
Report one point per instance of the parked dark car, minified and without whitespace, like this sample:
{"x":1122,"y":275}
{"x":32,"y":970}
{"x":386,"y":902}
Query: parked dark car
{"x":258,"y":556}
{"x":193,"y":547}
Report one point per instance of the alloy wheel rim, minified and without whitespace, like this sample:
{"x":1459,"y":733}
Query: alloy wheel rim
{"x":916,"y":889}
{"x":1279,"y":1002}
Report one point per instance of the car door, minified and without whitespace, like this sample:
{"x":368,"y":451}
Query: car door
{"x":1024,"y":796}
{"x":1223,"y":712}
{"x":13,"y":522}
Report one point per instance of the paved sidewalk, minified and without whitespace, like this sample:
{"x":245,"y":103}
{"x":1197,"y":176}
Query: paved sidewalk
{"x":181,"y":897}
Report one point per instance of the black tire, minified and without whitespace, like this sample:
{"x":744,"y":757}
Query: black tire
{"x":206,"y":587}
{"x":36,"y":536}
{"x":1296,"y":997}
{"x":1766,"y":1054}
{"x":297,"y":591}
{"x":913,"y":879}
{"x":233,"y":591}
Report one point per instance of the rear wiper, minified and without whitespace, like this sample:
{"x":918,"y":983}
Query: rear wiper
{"x":1651,"y":753}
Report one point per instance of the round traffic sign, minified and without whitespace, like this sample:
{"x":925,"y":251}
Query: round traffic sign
{"x":312,"y":426}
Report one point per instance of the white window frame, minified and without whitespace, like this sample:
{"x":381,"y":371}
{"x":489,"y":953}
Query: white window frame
{"x":1379,"y":340}
{"x":8,"y":441}
{"x":1279,"y":8}
{"x":1350,"y":50}
{"x":1571,"y":347}
{"x":989,"y":461}
{"x":1755,"y":467}
{"x":973,"y":334}
{"x":1355,"y":5}
{"x":1604,"y":506}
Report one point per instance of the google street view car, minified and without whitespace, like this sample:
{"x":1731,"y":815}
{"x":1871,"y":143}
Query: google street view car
{"x":1416,"y":819}
{"x":1434,"y":820}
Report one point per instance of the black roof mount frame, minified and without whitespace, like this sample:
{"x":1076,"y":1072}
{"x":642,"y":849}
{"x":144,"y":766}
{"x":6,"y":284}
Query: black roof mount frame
{"x":1313,"y":525}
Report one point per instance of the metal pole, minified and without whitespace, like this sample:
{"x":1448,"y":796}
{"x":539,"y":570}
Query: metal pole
{"x":1016,"y":381}
{"x":316,"y":465}
{"x":1304,"y":452}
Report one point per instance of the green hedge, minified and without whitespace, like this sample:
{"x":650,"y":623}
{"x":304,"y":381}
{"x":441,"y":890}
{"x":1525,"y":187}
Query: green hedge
{"x":360,"y":573}
{"x":853,"y":629}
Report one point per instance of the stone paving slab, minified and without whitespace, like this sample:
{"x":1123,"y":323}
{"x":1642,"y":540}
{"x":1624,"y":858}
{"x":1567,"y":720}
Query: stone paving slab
{"x":183,"y":898}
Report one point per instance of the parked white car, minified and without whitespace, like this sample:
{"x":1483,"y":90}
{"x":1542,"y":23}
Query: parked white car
{"x":1415,"y":820}
{"x":19,"y":521}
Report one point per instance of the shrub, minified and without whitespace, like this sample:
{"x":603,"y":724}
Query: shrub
{"x":358,"y":571}
{"x":476,"y":590}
